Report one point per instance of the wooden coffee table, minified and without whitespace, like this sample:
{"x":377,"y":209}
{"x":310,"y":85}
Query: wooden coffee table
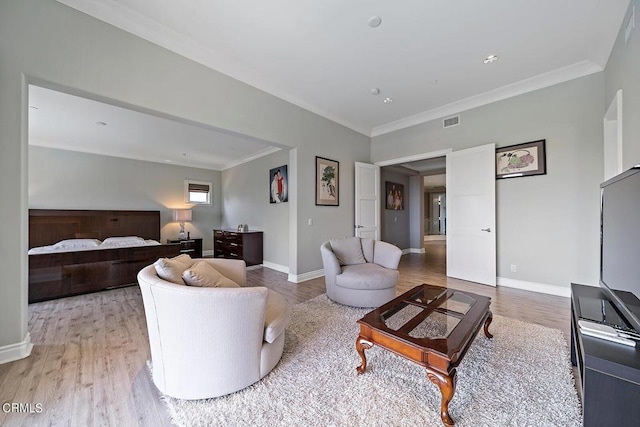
{"x":431,"y":326}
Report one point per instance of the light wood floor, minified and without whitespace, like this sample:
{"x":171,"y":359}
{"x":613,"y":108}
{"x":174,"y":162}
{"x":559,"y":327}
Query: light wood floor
{"x":88,"y":362}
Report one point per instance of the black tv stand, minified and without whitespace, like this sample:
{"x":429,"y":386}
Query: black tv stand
{"x":609,"y":373}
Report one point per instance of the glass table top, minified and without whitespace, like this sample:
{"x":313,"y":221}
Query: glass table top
{"x":428,"y":313}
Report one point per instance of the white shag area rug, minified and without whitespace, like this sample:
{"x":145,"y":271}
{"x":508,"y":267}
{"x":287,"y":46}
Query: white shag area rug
{"x":521,"y":377}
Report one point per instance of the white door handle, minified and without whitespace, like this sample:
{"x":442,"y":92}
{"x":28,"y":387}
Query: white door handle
{"x":488,"y":230}
{"x":359,"y":226}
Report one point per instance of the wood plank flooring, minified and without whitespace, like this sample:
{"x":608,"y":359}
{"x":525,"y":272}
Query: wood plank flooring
{"x":88,"y":365}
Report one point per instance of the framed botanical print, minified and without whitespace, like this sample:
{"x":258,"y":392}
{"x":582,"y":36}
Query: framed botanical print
{"x":521,"y":160}
{"x":327,"y":182}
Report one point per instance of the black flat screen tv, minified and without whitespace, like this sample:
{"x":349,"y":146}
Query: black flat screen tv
{"x":620,"y":242}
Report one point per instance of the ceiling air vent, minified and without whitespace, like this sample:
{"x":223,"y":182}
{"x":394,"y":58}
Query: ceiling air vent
{"x":451,"y":121}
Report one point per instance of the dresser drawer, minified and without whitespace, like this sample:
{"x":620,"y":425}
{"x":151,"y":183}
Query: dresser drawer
{"x":238,"y":245}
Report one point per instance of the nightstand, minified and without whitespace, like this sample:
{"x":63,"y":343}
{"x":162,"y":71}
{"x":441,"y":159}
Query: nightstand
{"x":191,"y":247}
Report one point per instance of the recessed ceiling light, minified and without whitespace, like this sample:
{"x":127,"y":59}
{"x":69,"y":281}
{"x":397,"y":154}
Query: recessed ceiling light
{"x":375,"y":21}
{"x":101,"y":123}
{"x":375,"y":91}
{"x":387,"y":100}
{"x":491,"y":58}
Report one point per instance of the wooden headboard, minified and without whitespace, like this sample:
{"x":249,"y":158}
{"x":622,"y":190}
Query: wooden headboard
{"x":47,"y":226}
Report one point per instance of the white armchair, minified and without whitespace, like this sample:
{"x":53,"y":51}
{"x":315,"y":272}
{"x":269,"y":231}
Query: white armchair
{"x":207,"y":342}
{"x":360,"y":272}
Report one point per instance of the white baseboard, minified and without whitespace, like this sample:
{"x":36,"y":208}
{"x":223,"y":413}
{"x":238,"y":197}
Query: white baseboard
{"x":207,"y":253}
{"x":276,"y":267}
{"x":413,"y":251}
{"x":542,"y":288}
{"x":297,"y":278}
{"x":17,"y":351}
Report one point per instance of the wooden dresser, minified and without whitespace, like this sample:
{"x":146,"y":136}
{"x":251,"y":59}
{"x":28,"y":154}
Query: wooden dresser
{"x":246,"y":245}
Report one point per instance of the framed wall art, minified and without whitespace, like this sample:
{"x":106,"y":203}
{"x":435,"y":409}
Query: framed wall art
{"x":394,"y":195}
{"x":278,"y":185}
{"x":327,"y":182}
{"x":521,"y":160}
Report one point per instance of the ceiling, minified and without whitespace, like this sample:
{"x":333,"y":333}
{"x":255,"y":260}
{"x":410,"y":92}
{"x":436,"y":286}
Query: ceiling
{"x":69,"y":122}
{"x":432,"y":166}
{"x":427,"y":56}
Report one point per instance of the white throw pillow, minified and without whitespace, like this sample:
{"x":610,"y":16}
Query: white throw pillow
{"x":171,"y":269}
{"x":123,"y":241}
{"x":202,"y":274}
{"x":77,"y":244}
{"x":348,"y":250}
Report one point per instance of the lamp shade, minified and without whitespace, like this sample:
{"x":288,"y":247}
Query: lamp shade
{"x":182,"y":215}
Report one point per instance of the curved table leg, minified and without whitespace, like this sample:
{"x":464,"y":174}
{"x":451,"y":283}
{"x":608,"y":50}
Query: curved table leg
{"x":486,"y":325}
{"x":447,"y":386}
{"x":361,"y":346}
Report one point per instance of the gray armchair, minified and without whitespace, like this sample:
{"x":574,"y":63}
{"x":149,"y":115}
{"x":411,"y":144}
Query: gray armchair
{"x":360,"y":272}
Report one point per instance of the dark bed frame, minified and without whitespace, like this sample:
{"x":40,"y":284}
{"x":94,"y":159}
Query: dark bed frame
{"x":64,"y":274}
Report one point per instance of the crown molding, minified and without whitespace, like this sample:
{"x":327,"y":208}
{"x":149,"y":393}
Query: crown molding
{"x":125,"y":19}
{"x":115,"y":14}
{"x":561,"y":75}
{"x":256,"y":155}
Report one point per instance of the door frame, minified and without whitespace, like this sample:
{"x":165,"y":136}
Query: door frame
{"x":413,"y":158}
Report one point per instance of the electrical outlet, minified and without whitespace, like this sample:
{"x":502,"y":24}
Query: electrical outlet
{"x":514,"y":268}
{"x":310,"y":221}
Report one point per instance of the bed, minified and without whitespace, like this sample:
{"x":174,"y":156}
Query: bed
{"x":63,"y":261}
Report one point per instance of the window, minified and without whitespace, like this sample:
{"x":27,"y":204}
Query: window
{"x":197,"y":192}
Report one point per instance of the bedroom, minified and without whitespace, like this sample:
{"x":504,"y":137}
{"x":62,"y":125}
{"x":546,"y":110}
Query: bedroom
{"x":117,"y":65}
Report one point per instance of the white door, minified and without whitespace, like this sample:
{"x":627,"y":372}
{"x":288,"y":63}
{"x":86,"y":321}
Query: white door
{"x":367,"y":194}
{"x":471,"y":216}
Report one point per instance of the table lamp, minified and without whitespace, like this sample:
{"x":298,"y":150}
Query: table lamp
{"x":182,"y":216}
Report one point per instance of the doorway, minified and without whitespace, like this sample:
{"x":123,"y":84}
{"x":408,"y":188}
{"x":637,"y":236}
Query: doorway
{"x":470,"y":208}
{"x":436,"y":214}
{"x":435,"y":206}
{"x":422,"y":226}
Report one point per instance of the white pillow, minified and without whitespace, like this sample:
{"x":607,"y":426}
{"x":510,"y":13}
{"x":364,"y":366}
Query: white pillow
{"x":348,"y":250}
{"x":123,"y":241}
{"x":170,"y":269}
{"x":77,"y":244}
{"x":202,"y":274}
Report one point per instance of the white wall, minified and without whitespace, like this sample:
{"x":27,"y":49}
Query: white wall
{"x":416,"y":214}
{"x":60,"y":179}
{"x":46,"y":43}
{"x":246,"y":201}
{"x":622,"y":72}
{"x":395,"y":223}
{"x":547,"y":225}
